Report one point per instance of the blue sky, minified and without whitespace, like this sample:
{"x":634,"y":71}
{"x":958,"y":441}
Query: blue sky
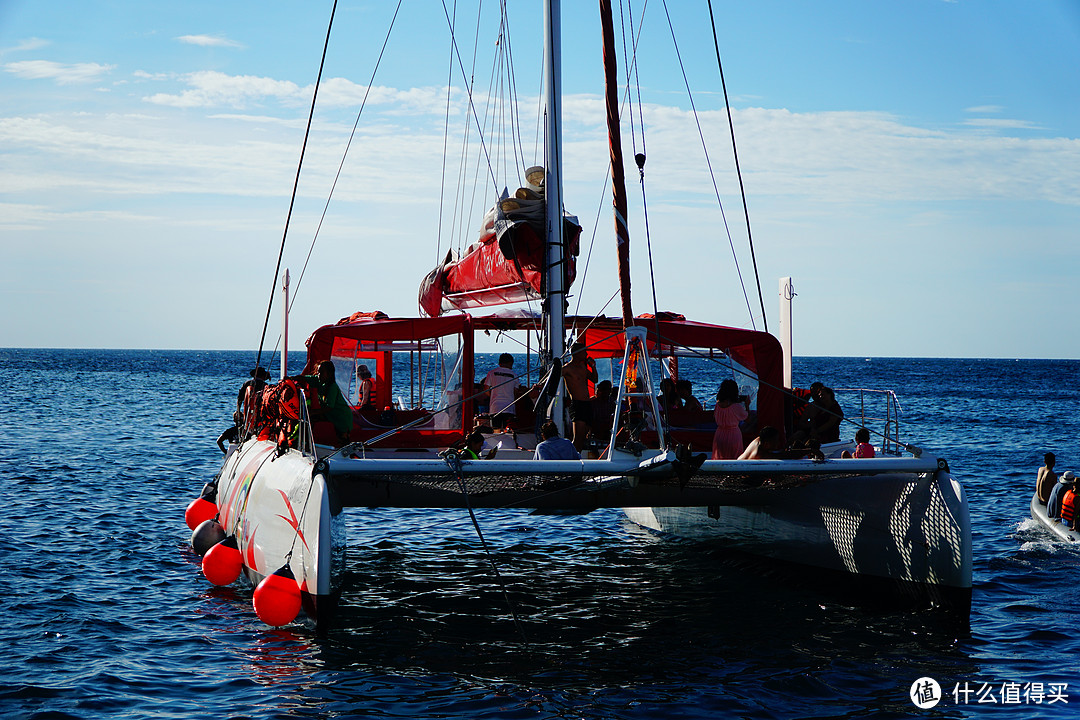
{"x":915,"y":166}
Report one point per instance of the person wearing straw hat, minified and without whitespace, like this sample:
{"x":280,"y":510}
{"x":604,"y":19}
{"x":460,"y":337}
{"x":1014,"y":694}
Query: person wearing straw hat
{"x":1066,"y":483}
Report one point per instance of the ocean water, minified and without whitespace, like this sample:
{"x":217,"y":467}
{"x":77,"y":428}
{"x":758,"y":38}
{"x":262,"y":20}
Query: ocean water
{"x":107,"y":615}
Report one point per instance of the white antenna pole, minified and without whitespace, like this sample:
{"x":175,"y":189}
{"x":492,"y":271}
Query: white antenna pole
{"x":787,"y":292}
{"x":285,"y":327}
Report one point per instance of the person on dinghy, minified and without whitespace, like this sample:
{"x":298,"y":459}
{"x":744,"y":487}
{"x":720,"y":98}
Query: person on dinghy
{"x":1065,"y":484}
{"x":1070,"y":508}
{"x":1046,"y":479}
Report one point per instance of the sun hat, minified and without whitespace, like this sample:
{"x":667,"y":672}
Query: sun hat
{"x":1068,"y":477}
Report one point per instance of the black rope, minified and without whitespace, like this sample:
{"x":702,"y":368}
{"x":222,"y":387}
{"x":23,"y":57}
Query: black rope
{"x":453,"y":461}
{"x":738,"y":171}
{"x":296,"y":184}
{"x":352,"y":135}
{"x":469,"y":92}
{"x":708,"y":162}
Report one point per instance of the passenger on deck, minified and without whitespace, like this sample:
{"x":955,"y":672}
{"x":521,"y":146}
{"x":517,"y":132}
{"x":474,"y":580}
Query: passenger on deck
{"x":603,"y":412}
{"x":231,"y":435}
{"x":245,"y":399}
{"x":668,"y":399}
{"x":686,"y":394}
{"x":863,"y":448}
{"x":576,"y":376}
{"x":365,"y":388}
{"x":1065,"y":483}
{"x":767,"y":446}
{"x":334,"y":406}
{"x":502,"y":387}
{"x":826,"y":428}
{"x":554,"y":446}
{"x":764,"y":447}
{"x":474,"y":443}
{"x":1046,"y":479}
{"x":822,"y":419}
{"x":731,"y":409}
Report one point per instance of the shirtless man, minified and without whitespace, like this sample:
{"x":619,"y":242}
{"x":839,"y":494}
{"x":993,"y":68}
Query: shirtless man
{"x":576,"y":375}
{"x":1047,"y":478}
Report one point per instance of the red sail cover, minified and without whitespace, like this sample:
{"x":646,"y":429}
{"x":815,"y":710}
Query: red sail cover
{"x":505,"y":265}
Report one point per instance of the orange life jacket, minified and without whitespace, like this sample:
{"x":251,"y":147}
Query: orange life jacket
{"x":370,"y":404}
{"x":1068,"y":506}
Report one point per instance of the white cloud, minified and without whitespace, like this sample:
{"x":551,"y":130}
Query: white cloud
{"x":985,"y":109}
{"x":143,"y":75}
{"x":210,"y":89}
{"x":1001,"y":124}
{"x":216,"y":89}
{"x":26,"y":45}
{"x":859,"y":156}
{"x":63,"y":74}
{"x":209,"y":41}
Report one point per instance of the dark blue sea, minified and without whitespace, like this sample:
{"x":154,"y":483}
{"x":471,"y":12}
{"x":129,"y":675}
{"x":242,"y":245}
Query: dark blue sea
{"x":107,"y":615}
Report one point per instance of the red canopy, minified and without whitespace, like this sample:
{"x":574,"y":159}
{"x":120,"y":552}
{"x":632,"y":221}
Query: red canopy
{"x":362,"y":328}
{"x":758,"y":352}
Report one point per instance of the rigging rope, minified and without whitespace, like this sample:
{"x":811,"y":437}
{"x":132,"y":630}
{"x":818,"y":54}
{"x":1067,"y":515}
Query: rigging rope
{"x":453,"y":461}
{"x":341,"y":165}
{"x":296,"y":183}
{"x":708,"y":162}
{"x":446,"y":139}
{"x":738,"y":171}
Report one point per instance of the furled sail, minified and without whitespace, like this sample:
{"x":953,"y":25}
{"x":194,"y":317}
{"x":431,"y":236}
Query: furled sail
{"x":506,"y":265}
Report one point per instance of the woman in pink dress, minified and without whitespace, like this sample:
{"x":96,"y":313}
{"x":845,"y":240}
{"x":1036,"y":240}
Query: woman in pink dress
{"x":730,"y":410}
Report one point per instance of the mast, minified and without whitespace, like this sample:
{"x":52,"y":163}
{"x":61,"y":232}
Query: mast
{"x":618,"y":178}
{"x":555,"y":302}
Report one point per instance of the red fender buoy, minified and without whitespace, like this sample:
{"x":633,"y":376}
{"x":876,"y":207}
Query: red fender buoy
{"x":198,"y":510}
{"x":222,"y":563}
{"x":277,"y":598}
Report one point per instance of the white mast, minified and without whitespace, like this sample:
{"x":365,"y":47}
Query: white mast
{"x":556,"y":272}
{"x":285,"y":327}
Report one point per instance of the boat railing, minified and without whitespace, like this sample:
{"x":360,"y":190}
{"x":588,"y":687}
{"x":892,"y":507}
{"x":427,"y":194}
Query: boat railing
{"x":305,"y":441}
{"x":879,"y":412}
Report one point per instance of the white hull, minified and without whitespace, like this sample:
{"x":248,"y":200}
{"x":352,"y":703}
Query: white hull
{"x":1038,"y":512}
{"x":910,"y":528}
{"x":891,"y":519}
{"x":280,"y":510}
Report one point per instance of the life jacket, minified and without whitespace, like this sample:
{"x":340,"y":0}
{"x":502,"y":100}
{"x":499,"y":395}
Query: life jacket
{"x":370,"y":404}
{"x":800,"y":398}
{"x":1068,"y":506}
{"x":864,"y":450}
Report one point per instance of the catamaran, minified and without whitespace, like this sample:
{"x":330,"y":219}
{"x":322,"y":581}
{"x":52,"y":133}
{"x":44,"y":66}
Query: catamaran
{"x":278,"y":503}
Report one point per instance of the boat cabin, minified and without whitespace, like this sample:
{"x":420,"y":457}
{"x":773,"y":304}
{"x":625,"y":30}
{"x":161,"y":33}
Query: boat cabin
{"x":427,"y":384}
